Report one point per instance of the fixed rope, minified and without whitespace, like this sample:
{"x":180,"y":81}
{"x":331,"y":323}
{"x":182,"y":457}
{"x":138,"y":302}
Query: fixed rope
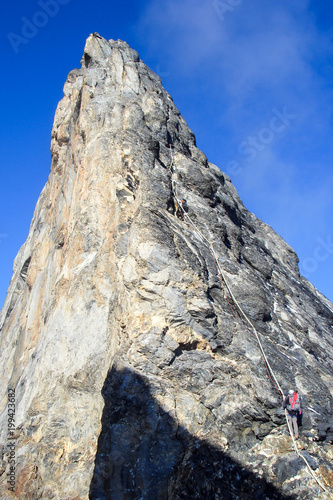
{"x":224,"y":282}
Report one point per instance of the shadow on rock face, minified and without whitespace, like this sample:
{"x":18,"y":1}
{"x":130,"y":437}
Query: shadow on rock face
{"x":144,"y":454}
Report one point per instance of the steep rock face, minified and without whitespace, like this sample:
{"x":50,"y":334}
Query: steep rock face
{"x":134,"y":377}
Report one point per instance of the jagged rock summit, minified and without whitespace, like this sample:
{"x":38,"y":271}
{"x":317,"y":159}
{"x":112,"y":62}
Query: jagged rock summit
{"x":131,"y":374}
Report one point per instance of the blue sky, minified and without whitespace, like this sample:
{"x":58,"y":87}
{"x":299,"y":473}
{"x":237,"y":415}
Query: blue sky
{"x":252,"y":78}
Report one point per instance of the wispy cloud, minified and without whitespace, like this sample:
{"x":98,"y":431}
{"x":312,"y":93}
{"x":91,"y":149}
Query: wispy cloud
{"x":261,"y":56}
{"x":258,"y":49}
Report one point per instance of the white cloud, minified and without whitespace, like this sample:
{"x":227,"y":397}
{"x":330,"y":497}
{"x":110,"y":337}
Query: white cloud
{"x":262,"y":56}
{"x":256,"y":49}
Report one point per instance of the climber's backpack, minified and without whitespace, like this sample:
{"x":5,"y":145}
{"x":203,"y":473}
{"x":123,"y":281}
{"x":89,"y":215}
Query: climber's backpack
{"x":294,"y":402}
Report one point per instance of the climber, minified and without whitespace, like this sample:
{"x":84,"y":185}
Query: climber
{"x":293,"y":405}
{"x":181,"y":207}
{"x":184,"y":205}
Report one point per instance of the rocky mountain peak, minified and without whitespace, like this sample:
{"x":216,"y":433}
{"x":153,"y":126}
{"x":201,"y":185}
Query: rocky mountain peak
{"x":152,"y":320}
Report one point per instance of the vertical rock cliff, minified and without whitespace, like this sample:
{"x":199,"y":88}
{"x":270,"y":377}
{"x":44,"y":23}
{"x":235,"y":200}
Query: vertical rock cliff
{"x":135,"y":374}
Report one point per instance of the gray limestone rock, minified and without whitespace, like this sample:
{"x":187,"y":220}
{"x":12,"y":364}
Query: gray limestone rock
{"x":135,"y":374}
